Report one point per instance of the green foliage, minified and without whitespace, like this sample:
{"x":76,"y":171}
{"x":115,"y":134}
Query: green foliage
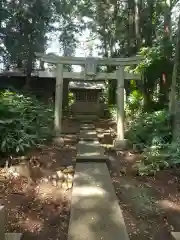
{"x":149,"y":128}
{"x":156,"y":68}
{"x":27,"y":23}
{"x":152,"y":132}
{"x":150,"y":55}
{"x":113,"y":112}
{"x":153,"y":161}
{"x":71,"y":98}
{"x":159,"y":157}
{"x":134,"y":103}
{"x":24,"y":122}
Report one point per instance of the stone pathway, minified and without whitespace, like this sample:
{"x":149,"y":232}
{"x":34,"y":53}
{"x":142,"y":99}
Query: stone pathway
{"x":88,"y":135}
{"x":176,"y":235}
{"x":95,"y":212}
{"x":13,"y":236}
{"x":90,"y":151}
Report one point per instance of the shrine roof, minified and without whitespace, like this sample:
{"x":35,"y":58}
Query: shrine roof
{"x":86,"y":85}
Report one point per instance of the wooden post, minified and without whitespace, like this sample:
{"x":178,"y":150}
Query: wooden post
{"x":58,"y":99}
{"x":2,"y":223}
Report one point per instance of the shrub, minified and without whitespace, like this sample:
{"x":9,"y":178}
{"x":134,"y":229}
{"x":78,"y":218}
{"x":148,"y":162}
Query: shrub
{"x":159,"y":157}
{"x":24,"y":122}
{"x":134,"y":103}
{"x":113,"y":112}
{"x":149,"y":129}
{"x":152,"y":131}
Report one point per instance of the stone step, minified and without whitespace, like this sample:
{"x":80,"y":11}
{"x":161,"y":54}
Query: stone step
{"x":86,"y":117}
{"x":176,"y":235}
{"x":95,"y":212}
{"x":88,"y":134}
{"x":13,"y":236}
{"x":90,"y":151}
{"x":89,"y":139}
{"x":86,"y":121}
{"x":97,"y":159}
{"x":87,"y":126}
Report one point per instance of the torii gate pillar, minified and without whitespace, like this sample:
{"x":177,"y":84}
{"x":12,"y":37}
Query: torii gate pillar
{"x":58,"y":100}
{"x":120,"y":142}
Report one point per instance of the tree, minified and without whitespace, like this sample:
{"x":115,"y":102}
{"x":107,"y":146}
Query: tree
{"x":24,"y":32}
{"x":174,"y":103}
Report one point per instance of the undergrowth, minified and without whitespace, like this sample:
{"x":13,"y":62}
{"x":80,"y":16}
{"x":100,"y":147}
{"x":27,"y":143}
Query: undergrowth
{"x":149,"y":129}
{"x":24,"y":122}
{"x":151,"y":134}
{"x":113,"y":112}
{"x":159,"y":157}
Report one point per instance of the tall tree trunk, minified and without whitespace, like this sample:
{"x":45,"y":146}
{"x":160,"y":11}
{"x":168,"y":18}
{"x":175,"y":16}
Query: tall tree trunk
{"x":167,"y":20}
{"x":167,"y":29}
{"x":174,"y":100}
{"x":30,"y":57}
{"x":137,"y":24}
{"x":131,"y":27}
{"x":148,"y":30}
{"x":29,"y":67}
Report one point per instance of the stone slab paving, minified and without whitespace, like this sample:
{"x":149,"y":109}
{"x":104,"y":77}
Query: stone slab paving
{"x":95,"y":212}
{"x":90,"y":150}
{"x":13,"y":236}
{"x":88,"y":134}
{"x":83,"y":121}
{"x":176,"y":235}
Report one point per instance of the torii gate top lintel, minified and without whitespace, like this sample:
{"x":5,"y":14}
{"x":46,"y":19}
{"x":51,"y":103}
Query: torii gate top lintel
{"x":55,"y":59}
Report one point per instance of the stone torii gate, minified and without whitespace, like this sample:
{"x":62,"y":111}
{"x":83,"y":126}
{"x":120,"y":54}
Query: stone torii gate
{"x":90,"y":73}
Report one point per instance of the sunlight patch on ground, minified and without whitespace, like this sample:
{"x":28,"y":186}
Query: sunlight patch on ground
{"x":45,"y":191}
{"x":33,"y":225}
{"x":166,"y":204}
{"x":128,"y":186}
{"x":87,"y":191}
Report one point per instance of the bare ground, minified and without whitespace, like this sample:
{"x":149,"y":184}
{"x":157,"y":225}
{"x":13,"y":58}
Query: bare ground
{"x":36,"y":191}
{"x":41,"y":209}
{"x":151,"y":205}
